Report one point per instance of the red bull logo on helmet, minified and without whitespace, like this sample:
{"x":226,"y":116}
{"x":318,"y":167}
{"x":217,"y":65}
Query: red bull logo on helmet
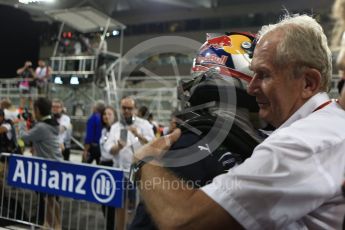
{"x":212,"y":58}
{"x":229,"y":54}
{"x":220,"y":41}
{"x":216,"y":43}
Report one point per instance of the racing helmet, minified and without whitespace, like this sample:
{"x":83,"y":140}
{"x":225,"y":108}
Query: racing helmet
{"x":216,"y":109}
{"x":230,"y":54}
{"x":222,"y":56}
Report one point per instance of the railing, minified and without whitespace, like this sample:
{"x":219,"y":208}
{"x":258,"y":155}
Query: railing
{"x":10,"y":88}
{"x":22,"y":206}
{"x":68,"y":65}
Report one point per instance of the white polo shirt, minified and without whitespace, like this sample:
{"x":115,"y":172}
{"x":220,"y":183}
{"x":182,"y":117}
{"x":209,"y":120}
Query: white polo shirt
{"x":41,"y":72}
{"x":105,"y":144}
{"x":293,"y":179}
{"x":65,"y":125}
{"x":124,"y":158}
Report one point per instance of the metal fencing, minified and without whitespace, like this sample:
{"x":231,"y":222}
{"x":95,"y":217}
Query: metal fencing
{"x":37,"y":210}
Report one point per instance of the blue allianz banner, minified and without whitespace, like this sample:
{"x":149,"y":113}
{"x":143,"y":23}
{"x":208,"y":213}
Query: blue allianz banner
{"x":82,"y":182}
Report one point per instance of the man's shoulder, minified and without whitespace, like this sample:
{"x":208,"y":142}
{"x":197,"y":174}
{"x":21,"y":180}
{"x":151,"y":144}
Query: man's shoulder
{"x":330,"y":118}
{"x":320,"y":130}
{"x":39,"y":126}
{"x":44,"y":125}
{"x":141,"y":121}
{"x":6,"y":125}
{"x":116,"y":126}
{"x":95,"y":117}
{"x":65,"y":118}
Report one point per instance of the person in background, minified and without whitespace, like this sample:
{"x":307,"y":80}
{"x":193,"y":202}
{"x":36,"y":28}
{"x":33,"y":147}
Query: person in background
{"x":108,"y":119}
{"x":27,"y":74}
{"x":338,"y":44}
{"x":10,"y":120}
{"x":172,"y":125}
{"x":126,"y":136}
{"x":42,"y":77}
{"x":65,"y":127}
{"x":44,"y":137}
{"x":45,"y":134}
{"x":155,"y":125}
{"x":136,"y":132}
{"x":85,"y":44}
{"x":338,"y":39}
{"x":93,"y":134}
{"x":77,"y":46}
{"x":144,"y":113}
{"x":11,"y":112}
{"x":99,"y":44}
{"x":68,"y":137}
{"x":8,"y":140}
{"x":279,"y":186}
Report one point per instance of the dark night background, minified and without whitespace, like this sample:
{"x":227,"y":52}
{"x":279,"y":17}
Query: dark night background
{"x":19,"y":41}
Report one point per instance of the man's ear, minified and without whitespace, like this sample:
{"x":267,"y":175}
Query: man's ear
{"x":312,"y":82}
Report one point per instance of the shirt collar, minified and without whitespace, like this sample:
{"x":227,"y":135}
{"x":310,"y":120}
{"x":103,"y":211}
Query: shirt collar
{"x":46,"y":118}
{"x":306,"y":109}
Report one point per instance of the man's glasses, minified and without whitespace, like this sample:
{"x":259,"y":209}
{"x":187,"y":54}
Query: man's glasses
{"x":127,"y":108}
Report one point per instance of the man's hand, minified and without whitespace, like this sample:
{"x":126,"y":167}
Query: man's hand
{"x":133,"y":130}
{"x":158,"y":147}
{"x":62,"y":147}
{"x":117,"y":147}
{"x":85,"y":155}
{"x":27,"y":64}
{"x":186,"y":207}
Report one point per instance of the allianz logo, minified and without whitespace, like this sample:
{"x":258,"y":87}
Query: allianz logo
{"x":103,"y":184}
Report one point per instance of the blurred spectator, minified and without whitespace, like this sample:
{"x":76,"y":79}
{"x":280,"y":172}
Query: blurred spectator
{"x":108,"y":119}
{"x":8,"y":140}
{"x":104,"y":59}
{"x":42,"y":77}
{"x":127,"y":135}
{"x":338,"y":39}
{"x":93,"y":134}
{"x":44,"y":137}
{"x":77,"y":48}
{"x":85,"y":44}
{"x":154,"y":124}
{"x":27,"y":74}
{"x":65,"y":127}
{"x":68,"y":137}
{"x":11,"y":112}
{"x":172,"y":125}
{"x":66,"y":46}
{"x":144,"y":113}
{"x":45,"y":134}
{"x":124,"y":145}
{"x":99,"y":44}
